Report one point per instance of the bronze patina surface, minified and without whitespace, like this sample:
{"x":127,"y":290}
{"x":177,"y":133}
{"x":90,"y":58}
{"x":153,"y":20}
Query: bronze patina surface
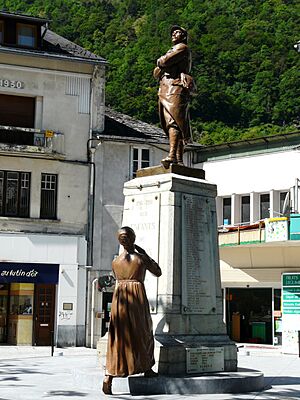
{"x":130,"y":344}
{"x":174,"y":169}
{"x":175,"y":88}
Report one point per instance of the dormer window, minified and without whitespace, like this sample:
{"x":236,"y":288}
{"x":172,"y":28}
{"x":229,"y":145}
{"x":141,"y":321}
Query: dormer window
{"x":1,"y":32}
{"x":26,"y":35}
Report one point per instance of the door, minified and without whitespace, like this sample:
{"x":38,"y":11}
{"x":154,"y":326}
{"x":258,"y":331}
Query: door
{"x":3,"y":312}
{"x":44,"y":314}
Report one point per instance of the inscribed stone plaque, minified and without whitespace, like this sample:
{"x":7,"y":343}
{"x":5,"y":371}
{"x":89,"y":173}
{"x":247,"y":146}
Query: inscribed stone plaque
{"x":198,"y":255}
{"x":204,"y":359}
{"x":141,"y":213}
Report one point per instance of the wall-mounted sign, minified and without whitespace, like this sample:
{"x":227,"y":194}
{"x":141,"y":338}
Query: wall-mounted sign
{"x":290,"y":312}
{"x":49,"y":133}
{"x":276,"y":229}
{"x":28,"y":273}
{"x":7,"y":83}
{"x":68,"y":306}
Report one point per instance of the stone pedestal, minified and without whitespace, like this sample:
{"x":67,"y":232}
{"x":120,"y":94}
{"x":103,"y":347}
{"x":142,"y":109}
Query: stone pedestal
{"x":174,"y":217}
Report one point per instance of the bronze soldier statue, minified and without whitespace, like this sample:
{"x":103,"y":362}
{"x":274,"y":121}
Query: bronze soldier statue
{"x":176,"y":87}
{"x":130,"y":345}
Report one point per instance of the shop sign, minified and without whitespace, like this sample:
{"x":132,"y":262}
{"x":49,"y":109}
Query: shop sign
{"x":290,"y":312}
{"x":28,"y":273}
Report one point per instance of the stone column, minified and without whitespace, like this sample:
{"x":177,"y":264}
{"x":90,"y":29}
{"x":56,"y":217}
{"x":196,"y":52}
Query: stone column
{"x":174,"y":217}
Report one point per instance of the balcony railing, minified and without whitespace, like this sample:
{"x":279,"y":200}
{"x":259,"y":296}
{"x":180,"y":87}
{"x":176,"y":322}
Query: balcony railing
{"x":263,"y":231}
{"x":47,"y":141}
{"x":242,"y":234}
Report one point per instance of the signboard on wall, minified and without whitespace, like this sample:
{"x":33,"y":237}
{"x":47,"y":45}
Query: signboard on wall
{"x":28,"y":273}
{"x":276,"y":229}
{"x":290,"y":312}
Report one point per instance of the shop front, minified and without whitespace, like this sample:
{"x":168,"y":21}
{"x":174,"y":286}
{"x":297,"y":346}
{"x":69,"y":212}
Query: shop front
{"x":253,"y":315}
{"x":27,"y":303}
{"x":42,"y":289}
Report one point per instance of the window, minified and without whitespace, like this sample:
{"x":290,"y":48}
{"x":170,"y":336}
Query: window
{"x":48,"y":196}
{"x":245,"y":209}
{"x":1,"y":31}
{"x":284,"y":203}
{"x":17,"y":111}
{"x":26,"y":35}
{"x":264,"y":206}
{"x":14,"y":193}
{"x":140,"y":159}
{"x":227,"y":211}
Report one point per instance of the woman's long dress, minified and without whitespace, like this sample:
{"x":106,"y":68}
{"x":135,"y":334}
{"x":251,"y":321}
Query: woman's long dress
{"x":130,"y":338}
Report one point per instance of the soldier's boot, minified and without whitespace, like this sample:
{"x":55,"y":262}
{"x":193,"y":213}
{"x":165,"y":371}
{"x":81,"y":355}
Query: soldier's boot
{"x":171,"y":157}
{"x":179,"y":153}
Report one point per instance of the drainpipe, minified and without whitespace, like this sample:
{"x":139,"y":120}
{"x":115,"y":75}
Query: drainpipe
{"x":91,"y":150}
{"x":93,"y":312}
{"x":90,"y":229}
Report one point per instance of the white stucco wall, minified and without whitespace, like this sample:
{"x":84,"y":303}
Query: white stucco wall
{"x":257,"y":173}
{"x":69,"y":99}
{"x":113,"y":168}
{"x":112,"y":171}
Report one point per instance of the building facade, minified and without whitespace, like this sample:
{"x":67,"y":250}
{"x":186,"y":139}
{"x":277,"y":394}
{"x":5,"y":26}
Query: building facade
{"x":124,"y":146}
{"x":51,"y":99}
{"x":258,"y":209}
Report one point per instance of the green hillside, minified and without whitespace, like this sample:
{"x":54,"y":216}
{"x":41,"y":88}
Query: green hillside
{"x":244,"y":63}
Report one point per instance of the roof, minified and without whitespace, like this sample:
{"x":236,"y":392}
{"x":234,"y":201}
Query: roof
{"x":53,"y":45}
{"x":60,"y":45}
{"x":248,"y":146}
{"x":24,"y":17}
{"x":121,"y":127}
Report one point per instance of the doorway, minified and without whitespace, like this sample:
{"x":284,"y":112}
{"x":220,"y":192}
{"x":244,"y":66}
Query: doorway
{"x":249,"y":315}
{"x":44,"y":314}
{"x":107,"y":299}
{"x":4,"y":303}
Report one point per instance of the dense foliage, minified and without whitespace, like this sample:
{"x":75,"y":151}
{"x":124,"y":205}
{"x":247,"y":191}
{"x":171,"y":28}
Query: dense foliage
{"x":246,"y":68}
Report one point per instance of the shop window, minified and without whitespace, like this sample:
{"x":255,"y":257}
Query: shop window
{"x":249,"y":315}
{"x":1,"y":32}
{"x":140,"y":159}
{"x":227,"y":211}
{"x":245,"y":209}
{"x":264,"y":206}
{"x":26,"y":35}
{"x":14,"y":193}
{"x":48,"y":196}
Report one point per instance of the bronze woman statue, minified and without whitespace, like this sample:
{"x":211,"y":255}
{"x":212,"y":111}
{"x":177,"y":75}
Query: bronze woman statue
{"x":130,"y":348}
{"x":176,"y":86}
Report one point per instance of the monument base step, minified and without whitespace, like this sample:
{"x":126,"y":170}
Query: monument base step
{"x":242,"y":381}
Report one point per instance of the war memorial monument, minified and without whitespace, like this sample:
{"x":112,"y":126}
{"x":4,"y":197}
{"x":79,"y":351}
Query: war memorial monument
{"x":172,"y":211}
